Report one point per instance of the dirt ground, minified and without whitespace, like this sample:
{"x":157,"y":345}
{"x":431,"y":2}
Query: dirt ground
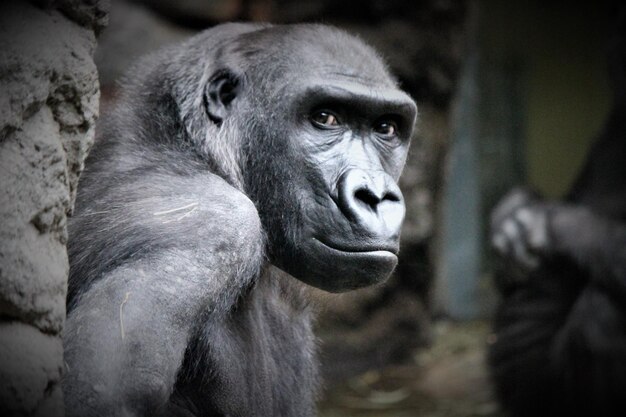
{"x":447,"y":379}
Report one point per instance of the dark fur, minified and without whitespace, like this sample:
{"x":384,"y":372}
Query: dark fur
{"x":561,"y":327}
{"x":187,"y":202}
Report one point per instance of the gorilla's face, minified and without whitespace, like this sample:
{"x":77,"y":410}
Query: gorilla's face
{"x":348,"y":144}
{"x":327,"y":139}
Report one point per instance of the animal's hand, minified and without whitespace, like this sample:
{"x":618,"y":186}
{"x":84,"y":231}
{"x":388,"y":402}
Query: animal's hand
{"x":520,"y":229}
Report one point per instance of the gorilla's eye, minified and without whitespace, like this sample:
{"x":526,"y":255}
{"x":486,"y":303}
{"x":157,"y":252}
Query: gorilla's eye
{"x":324,"y":119}
{"x":386,"y":129}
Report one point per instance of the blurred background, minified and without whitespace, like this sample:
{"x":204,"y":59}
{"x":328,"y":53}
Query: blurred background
{"x":508,"y":93}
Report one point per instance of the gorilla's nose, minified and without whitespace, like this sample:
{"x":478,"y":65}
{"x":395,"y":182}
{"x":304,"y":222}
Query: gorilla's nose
{"x":373,"y":202}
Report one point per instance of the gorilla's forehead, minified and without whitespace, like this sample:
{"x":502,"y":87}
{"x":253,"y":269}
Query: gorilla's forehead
{"x":307,"y":50}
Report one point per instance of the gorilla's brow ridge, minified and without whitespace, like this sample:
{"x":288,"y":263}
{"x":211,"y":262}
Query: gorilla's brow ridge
{"x":355,"y":75}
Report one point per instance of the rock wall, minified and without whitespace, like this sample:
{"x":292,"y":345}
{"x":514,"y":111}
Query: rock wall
{"x":48,"y":107}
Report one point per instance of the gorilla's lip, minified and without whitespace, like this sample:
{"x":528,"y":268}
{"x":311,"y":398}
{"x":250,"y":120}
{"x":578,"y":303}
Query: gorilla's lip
{"x":365,"y":249}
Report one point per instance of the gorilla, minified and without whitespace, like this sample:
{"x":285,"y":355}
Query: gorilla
{"x":235,"y":171}
{"x":560,"y":345}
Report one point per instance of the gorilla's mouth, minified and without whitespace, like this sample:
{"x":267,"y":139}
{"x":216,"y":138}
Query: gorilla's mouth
{"x":368,"y":248}
{"x":338,"y":268}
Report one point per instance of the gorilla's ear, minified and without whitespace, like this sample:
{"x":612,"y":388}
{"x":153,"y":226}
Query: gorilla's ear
{"x":221,"y":90}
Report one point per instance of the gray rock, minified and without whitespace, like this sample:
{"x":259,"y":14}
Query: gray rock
{"x":30,"y":360}
{"x":48,"y":107}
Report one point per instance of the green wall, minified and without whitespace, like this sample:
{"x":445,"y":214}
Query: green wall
{"x":561,"y":49}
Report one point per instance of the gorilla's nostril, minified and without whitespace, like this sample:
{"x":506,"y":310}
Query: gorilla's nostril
{"x":390,"y":196}
{"x":371,"y":199}
{"x":367,"y":196}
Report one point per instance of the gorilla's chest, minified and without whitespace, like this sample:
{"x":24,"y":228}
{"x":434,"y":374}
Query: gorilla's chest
{"x":259,"y":361}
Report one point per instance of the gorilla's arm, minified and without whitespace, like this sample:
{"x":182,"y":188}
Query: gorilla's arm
{"x":592,"y":241}
{"x":125,"y":339}
{"x":528,"y":231}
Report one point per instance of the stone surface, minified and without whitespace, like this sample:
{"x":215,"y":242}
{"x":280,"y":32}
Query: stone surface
{"x":91,"y":14}
{"x":30,"y":359}
{"x":48,"y":107}
{"x":33,"y":204}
